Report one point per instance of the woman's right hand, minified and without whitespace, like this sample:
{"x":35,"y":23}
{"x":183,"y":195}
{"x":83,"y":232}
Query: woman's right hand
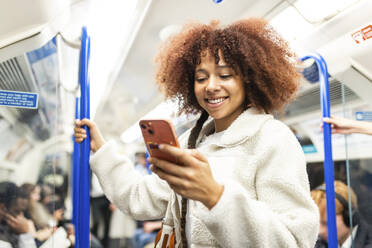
{"x":96,"y":139}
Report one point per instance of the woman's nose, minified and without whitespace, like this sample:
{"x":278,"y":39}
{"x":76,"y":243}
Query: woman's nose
{"x":213,"y":84}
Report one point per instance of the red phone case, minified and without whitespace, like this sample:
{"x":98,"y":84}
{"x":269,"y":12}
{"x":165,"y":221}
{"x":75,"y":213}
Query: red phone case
{"x":156,"y":132}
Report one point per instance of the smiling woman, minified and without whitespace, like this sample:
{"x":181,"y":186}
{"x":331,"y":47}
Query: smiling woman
{"x":252,"y":50}
{"x":240,"y":187}
{"x":219,"y":90}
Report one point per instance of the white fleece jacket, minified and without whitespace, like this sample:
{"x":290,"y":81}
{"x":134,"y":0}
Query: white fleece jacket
{"x":266,"y":200}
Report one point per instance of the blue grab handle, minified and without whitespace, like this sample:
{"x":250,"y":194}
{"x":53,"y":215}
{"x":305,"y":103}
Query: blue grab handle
{"x":83,"y":239}
{"x":75,"y":176}
{"x":328,"y":160}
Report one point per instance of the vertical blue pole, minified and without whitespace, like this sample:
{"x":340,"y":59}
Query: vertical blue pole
{"x":84,"y":192}
{"x":75,"y":178}
{"x":328,"y":160}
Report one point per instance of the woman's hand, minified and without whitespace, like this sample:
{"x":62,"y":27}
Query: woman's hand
{"x":191,"y":177}
{"x":96,"y":139}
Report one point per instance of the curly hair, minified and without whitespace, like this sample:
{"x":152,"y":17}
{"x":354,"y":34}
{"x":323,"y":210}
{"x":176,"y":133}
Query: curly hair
{"x":250,"y":46}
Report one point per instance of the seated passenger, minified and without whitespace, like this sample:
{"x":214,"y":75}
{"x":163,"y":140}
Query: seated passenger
{"x":146,"y":233}
{"x":360,"y":230}
{"x":35,"y":212}
{"x":15,"y":229}
{"x":51,"y":203}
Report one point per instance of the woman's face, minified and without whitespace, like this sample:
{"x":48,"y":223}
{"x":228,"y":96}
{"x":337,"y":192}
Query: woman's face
{"x":219,"y":90}
{"x":19,"y":205}
{"x":35,"y":194}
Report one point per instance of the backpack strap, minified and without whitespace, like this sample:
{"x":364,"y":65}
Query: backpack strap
{"x":166,"y":236}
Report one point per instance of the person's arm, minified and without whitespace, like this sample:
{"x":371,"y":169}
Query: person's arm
{"x":282,"y":214}
{"x":348,"y":126}
{"x":151,"y":226}
{"x":4,"y":244}
{"x":26,"y":240}
{"x":141,"y":197}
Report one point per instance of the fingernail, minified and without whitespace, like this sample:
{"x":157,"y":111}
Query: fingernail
{"x":161,"y":146}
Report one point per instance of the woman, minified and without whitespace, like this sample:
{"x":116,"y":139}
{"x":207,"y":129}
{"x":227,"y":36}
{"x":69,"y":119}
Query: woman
{"x":246,"y":184}
{"x":37,"y":213}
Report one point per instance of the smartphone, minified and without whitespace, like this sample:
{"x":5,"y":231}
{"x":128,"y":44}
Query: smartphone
{"x":156,"y":132}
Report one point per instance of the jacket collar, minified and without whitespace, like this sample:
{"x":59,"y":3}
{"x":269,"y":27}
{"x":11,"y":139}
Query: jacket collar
{"x":244,"y":127}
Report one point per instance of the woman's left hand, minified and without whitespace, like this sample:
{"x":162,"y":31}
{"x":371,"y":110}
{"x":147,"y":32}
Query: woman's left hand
{"x":191,"y":177}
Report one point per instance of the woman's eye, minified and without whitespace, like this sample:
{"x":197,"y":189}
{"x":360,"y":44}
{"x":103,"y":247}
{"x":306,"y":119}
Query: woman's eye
{"x":201,"y":79}
{"x":225,"y":76}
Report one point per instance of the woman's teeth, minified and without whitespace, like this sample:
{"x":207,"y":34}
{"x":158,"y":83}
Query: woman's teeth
{"x":214,"y":101}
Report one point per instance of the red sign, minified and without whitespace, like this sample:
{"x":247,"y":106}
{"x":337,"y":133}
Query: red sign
{"x":362,"y":34}
{"x":367,"y":32}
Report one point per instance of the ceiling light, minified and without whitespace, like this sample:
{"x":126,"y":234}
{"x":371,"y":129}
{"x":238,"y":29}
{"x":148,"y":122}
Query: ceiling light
{"x":317,"y":11}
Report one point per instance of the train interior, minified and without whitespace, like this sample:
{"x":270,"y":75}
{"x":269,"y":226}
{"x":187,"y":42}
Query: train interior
{"x":40,"y":53}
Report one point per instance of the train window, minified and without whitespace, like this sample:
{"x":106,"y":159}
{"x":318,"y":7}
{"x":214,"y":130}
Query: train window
{"x":35,"y":155}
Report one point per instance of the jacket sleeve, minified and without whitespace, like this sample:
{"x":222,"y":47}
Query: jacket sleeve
{"x":283,"y":213}
{"x":26,"y":240}
{"x":142,"y":197}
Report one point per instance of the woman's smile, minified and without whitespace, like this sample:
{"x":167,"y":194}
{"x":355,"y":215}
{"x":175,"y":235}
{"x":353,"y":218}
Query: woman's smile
{"x":215,"y":102}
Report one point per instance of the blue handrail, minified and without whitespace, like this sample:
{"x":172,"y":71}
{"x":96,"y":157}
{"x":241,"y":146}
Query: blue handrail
{"x":75,"y":176}
{"x":328,"y":160}
{"x":84,"y":203}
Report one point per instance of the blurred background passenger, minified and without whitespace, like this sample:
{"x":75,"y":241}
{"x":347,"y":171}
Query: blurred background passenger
{"x":358,"y":231}
{"x":146,"y":230}
{"x":122,"y":229}
{"x":348,"y":126}
{"x":37,"y":213}
{"x":53,"y":203}
{"x":36,"y":210}
{"x":101,"y":213}
{"x":15,"y":229}
{"x":141,"y":164}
